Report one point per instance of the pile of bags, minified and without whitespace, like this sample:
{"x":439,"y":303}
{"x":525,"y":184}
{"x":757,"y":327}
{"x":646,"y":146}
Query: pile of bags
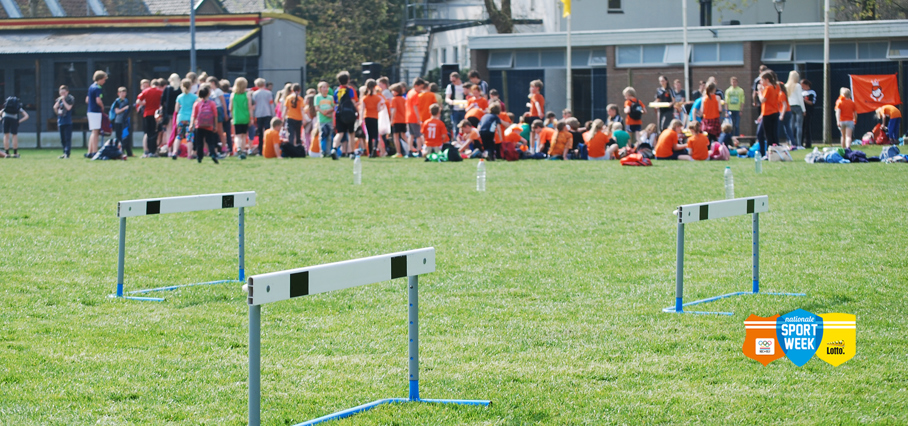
{"x":844,"y":156}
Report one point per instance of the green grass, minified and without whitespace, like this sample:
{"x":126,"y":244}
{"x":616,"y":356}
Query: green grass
{"x":547,"y":298}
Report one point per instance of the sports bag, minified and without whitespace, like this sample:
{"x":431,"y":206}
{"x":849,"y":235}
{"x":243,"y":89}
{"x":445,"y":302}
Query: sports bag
{"x":636,"y":112}
{"x":12,"y":105}
{"x":346,"y":111}
{"x":636,"y":160}
{"x":779,"y":153}
{"x":719,"y":152}
{"x":207,"y":116}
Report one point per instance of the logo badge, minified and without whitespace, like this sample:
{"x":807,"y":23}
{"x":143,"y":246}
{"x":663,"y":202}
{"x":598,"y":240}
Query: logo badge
{"x":760,"y":342}
{"x":839,"y":338}
{"x":800,"y":333}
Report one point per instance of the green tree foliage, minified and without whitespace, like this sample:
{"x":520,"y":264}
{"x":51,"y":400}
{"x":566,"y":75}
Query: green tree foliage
{"x":342,"y":34}
{"x":869,"y":10}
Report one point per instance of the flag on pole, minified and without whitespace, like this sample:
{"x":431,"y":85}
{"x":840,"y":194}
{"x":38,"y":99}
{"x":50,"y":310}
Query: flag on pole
{"x":873,"y":91}
{"x":567,"y":8}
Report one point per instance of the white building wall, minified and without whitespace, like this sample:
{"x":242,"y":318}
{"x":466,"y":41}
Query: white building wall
{"x":283,"y":51}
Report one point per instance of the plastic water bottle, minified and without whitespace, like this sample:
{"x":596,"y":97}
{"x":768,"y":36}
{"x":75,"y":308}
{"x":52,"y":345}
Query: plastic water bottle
{"x":758,"y":163}
{"x":729,"y":184}
{"x":481,"y":176}
{"x":357,"y":171}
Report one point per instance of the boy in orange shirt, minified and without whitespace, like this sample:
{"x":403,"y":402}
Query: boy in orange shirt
{"x":668,"y":148}
{"x":698,"y":142}
{"x":634,"y":111}
{"x":427,"y":98}
{"x":543,"y":136}
{"x":537,"y":102}
{"x":434,"y":131}
{"x":272,"y":146}
{"x":891,"y":118}
{"x":398,"y":116}
{"x":414,"y":121}
{"x":845,"y":116}
{"x":468,"y":138}
{"x":476,"y":106}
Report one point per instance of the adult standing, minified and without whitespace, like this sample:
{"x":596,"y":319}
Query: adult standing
{"x":263,"y":108}
{"x":95,"y":109}
{"x":810,"y":98}
{"x":796,"y":102}
{"x":477,"y":81}
{"x":150,"y":98}
{"x":454,"y":92}
{"x":64,"y":109}
{"x":664,"y":94}
{"x":733,"y":103}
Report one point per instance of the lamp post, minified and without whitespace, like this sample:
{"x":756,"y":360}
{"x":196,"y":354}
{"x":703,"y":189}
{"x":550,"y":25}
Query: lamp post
{"x":780,"y":6}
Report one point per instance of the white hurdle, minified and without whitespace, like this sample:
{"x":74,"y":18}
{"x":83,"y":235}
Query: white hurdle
{"x":192,"y":203}
{"x":691,"y":213}
{"x":289,"y":284}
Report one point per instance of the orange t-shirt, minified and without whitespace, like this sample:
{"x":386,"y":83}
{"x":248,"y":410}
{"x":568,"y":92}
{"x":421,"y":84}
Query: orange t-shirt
{"x":475,"y":112}
{"x":846,"y":108}
{"x":412,"y":102}
{"x":512,"y":134}
{"x":537,"y":99}
{"x":272,"y":138}
{"x":505,"y":122}
{"x":891,"y":111}
{"x":665,"y":147}
{"x":783,"y":102}
{"x":698,"y":144}
{"x":370,"y":105}
{"x":545,"y":136}
{"x":294,"y":113}
{"x":399,"y":105}
{"x":435,"y":132}
{"x":595,"y":144}
{"x":426,"y":99}
{"x":473,"y":136}
{"x":631,"y":121}
{"x":770,"y":103}
{"x":711,"y":107}
{"x":564,"y":139}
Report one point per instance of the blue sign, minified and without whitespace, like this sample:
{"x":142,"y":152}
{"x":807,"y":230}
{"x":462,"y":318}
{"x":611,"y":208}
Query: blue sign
{"x":800,"y":333}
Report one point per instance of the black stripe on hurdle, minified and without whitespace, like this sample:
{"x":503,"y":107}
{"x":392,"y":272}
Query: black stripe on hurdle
{"x":398,"y":267}
{"x":750,"y":206}
{"x":153,"y":207}
{"x":299,"y":284}
{"x":227,"y":202}
{"x":704,"y":212}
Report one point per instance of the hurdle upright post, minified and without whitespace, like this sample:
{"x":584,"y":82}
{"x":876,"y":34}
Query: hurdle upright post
{"x":242,"y":239}
{"x":413,"y":332}
{"x":121,"y":257}
{"x":679,"y":271}
{"x":255,"y":364}
{"x":756,"y":249}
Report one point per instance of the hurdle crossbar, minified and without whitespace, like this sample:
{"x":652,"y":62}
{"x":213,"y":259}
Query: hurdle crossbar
{"x":191,"y":203}
{"x":691,"y":213}
{"x":289,"y":284}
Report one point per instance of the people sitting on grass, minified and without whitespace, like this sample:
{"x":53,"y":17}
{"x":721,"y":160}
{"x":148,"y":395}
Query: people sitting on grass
{"x":597,"y":139}
{"x":669,"y":146}
{"x":697,"y":142}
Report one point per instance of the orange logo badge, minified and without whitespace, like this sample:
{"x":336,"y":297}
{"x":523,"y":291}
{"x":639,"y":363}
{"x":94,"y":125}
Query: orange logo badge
{"x":760,"y":342}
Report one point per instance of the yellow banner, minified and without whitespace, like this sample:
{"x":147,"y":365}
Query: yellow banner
{"x":839,"y":338}
{"x":567,"y":8}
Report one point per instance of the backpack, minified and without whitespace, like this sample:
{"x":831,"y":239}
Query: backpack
{"x":719,"y":152}
{"x":12,"y":105}
{"x":207,"y":116}
{"x":636,"y":112}
{"x":889,"y":152}
{"x":509,"y":151}
{"x":346,"y":111}
{"x":779,"y":153}
{"x":451,"y":153}
{"x":636,"y":160}
{"x":289,"y":150}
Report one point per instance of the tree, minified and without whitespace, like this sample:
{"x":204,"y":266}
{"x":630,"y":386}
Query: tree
{"x":500,"y":17}
{"x":869,"y":10}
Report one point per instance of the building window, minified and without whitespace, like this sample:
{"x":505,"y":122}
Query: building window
{"x":842,"y":52}
{"x":898,"y":49}
{"x":598,"y":58}
{"x":777,"y":53}
{"x":501,"y":59}
{"x":809,"y":53}
{"x":614,"y":6}
{"x":456,"y":54}
{"x":526,"y":59}
{"x":580,"y":58}
{"x":870,"y":51}
{"x":552,"y":58}
{"x":674,"y":54}
{"x":651,"y":54}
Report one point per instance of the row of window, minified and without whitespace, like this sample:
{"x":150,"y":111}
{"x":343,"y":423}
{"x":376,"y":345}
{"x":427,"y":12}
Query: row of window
{"x":838,"y":52}
{"x":634,"y":55}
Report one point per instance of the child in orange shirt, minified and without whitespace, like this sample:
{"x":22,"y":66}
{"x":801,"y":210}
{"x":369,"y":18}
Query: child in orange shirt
{"x":398,"y":117}
{"x":543,"y":138}
{"x":634,"y":111}
{"x":596,"y":140}
{"x":698,"y":142}
{"x":537,"y":102}
{"x":369,"y":111}
{"x":468,"y":140}
{"x":562,"y":144}
{"x":272,"y":146}
{"x":414,"y":121}
{"x":768,"y":131}
{"x":434,"y":131}
{"x":477,"y":106}
{"x":845,"y":116}
{"x":668,"y":148}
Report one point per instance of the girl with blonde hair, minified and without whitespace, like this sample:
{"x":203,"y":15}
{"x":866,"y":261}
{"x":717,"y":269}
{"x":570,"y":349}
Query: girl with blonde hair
{"x":240,"y":109}
{"x":796,"y":102}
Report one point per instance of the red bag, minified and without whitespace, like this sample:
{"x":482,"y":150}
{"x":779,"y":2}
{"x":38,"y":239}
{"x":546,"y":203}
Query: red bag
{"x":636,"y":160}
{"x":207,"y":115}
{"x":509,"y":151}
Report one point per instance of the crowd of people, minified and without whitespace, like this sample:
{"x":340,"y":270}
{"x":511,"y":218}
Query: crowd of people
{"x":200,"y":115}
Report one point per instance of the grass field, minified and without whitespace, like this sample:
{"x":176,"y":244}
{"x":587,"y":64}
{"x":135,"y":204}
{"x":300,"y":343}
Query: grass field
{"x":547,"y":298}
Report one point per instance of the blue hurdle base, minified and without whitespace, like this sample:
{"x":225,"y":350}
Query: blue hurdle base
{"x":168,"y":288}
{"x":675,"y":310}
{"x":365,"y":407}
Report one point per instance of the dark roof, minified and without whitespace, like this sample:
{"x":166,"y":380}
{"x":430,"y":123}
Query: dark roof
{"x":78,"y":8}
{"x":126,"y":40}
{"x":244,"y":6}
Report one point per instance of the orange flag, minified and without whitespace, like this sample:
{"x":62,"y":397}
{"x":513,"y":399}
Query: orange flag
{"x":873,"y":91}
